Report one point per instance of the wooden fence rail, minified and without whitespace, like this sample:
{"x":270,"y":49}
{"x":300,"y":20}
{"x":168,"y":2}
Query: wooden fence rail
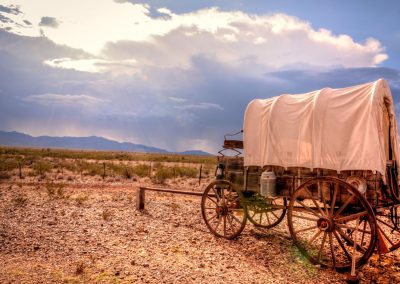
{"x":140,"y":194}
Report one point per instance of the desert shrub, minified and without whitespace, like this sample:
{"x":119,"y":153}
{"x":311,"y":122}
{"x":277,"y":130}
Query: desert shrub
{"x":55,"y":190}
{"x":80,"y":268}
{"x":8,"y":164}
{"x":127,"y":173}
{"x":42,"y":167}
{"x":20,"y":199}
{"x":4,"y":175}
{"x":184,"y":172}
{"x":91,"y":169}
{"x":106,"y":215}
{"x":162,"y":174}
{"x":80,"y":199}
{"x":141,"y":170}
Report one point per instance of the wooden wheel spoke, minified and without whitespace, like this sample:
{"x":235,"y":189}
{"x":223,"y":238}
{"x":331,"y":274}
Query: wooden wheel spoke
{"x":351,"y":217}
{"x":314,"y":237}
{"x":219,"y":222}
{"x":230,"y":223}
{"x":337,"y":213}
{"x":218,"y":196}
{"x":342,"y":245}
{"x":332,"y":250}
{"x":215,"y":202}
{"x":321,"y":246}
{"x":388,"y":225}
{"x":305,"y":218}
{"x":235,"y":218}
{"x":321,"y":189}
{"x":363,"y":235}
{"x":353,"y":228}
{"x":269,"y":222}
{"x":307,"y":208}
{"x":224,"y":217}
{"x":212,"y":217}
{"x":315,"y":203}
{"x":307,"y":229}
{"x":334,"y":198}
{"x":340,"y":231}
{"x":235,"y":209}
{"x":276,"y":216}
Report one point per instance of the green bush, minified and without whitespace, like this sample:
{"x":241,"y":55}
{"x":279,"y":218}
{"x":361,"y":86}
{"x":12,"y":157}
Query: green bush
{"x":184,"y":172}
{"x":162,"y":174}
{"x":141,"y":170}
{"x":42,"y":167}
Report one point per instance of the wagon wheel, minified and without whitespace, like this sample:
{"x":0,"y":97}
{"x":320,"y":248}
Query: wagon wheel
{"x":266,"y":212}
{"x":332,"y":224}
{"x":222,"y":211}
{"x":388,"y":228}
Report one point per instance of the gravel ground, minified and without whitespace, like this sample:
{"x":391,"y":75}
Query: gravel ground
{"x":90,"y":232}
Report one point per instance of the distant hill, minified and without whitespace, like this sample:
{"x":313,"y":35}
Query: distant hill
{"x":87,"y":143}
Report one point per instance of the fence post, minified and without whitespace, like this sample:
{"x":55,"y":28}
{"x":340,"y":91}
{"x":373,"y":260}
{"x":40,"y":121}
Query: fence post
{"x":201,"y":167}
{"x":140,"y":198}
{"x":104,"y":170}
{"x":20,"y":170}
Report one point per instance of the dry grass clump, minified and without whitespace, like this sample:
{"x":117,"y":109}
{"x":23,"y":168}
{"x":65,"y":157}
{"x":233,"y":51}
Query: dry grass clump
{"x":55,"y":190}
{"x":81,"y":198}
{"x":42,"y":167}
{"x":106,"y":215}
{"x":20,"y":199}
{"x":141,"y":170}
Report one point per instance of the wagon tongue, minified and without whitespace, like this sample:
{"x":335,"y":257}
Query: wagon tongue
{"x":382,"y":246}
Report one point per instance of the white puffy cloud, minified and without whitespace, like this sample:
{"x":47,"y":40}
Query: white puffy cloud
{"x":128,"y":31}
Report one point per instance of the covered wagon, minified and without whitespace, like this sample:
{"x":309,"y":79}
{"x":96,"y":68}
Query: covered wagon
{"x":328,"y":159}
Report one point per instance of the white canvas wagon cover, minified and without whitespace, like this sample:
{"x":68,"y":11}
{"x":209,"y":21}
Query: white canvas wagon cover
{"x":339,"y":129}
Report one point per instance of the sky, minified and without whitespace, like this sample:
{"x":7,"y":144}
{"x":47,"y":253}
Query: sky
{"x":179,"y":74}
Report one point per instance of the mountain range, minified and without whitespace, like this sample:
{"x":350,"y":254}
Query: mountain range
{"x":85,"y":143}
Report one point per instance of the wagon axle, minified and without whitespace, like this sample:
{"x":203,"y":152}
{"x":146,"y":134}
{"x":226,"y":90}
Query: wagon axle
{"x":325,"y":224}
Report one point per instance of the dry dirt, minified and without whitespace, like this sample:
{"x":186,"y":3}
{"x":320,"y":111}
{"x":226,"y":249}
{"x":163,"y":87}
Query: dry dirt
{"x":90,"y":232}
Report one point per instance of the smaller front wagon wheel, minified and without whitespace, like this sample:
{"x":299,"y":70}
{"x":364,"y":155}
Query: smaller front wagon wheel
{"x":222,"y":211}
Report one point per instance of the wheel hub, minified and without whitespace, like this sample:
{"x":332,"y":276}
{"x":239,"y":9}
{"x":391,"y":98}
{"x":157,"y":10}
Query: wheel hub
{"x":325,"y":224}
{"x":221,"y":210}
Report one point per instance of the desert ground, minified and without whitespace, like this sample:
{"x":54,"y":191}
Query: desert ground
{"x":75,"y":228}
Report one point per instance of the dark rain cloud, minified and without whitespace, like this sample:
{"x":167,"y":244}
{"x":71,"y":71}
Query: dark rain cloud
{"x":12,"y":9}
{"x":49,"y":22}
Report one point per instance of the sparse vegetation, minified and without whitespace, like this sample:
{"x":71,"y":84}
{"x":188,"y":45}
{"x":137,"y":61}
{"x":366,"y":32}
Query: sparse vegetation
{"x":80,"y":268}
{"x":62,"y":164}
{"x":106,"y":215}
{"x":33,"y":154}
{"x":141,"y":170}
{"x":55,"y":190}
{"x":20,"y":199}
{"x":81,"y":198}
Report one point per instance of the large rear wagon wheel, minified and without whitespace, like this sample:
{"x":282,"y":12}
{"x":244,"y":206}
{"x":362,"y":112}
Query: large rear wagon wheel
{"x":222,"y":210}
{"x":332,"y":224}
{"x":265,"y":212}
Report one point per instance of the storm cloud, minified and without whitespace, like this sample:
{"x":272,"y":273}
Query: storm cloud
{"x":49,"y":22}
